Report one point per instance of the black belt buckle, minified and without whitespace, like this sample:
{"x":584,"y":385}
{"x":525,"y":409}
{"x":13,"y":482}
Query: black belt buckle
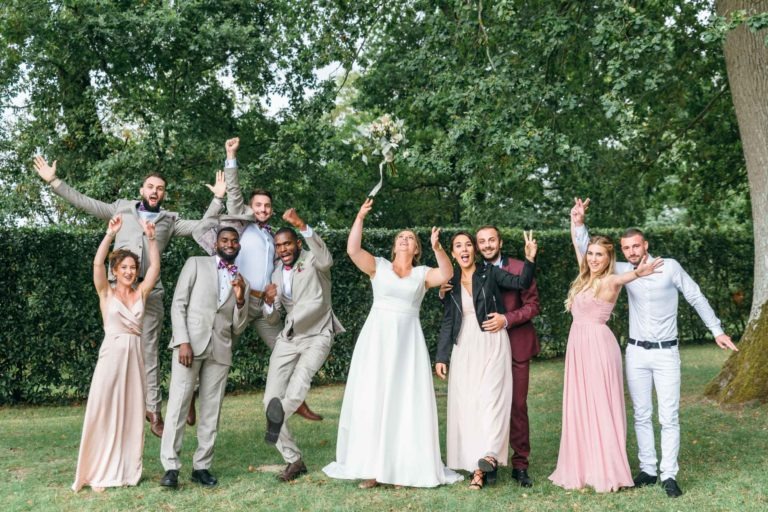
{"x":647,"y":345}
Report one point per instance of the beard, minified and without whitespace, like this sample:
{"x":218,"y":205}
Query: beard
{"x":229,"y":258}
{"x":150,"y":208}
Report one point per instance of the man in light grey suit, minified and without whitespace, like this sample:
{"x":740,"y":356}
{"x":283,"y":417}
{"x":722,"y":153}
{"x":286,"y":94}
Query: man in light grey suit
{"x":209,"y":309}
{"x":303,"y":281}
{"x":131,"y":237}
{"x":256,"y":260}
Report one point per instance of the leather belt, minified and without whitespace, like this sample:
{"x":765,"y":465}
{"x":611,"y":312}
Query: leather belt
{"x":652,"y":344}
{"x":257,"y":293}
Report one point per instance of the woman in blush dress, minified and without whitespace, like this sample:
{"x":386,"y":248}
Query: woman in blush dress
{"x":480,"y":383}
{"x":593,"y":440}
{"x":388,"y":424}
{"x":112,"y":442}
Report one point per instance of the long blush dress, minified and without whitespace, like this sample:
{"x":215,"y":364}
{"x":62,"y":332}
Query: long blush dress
{"x":593,"y":441}
{"x":388,"y":422}
{"x":112,"y":443}
{"x":479,"y":393}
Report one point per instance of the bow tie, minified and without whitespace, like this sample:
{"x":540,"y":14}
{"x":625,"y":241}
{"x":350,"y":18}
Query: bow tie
{"x":265,"y":226}
{"x":287,"y":267}
{"x":231,"y":267}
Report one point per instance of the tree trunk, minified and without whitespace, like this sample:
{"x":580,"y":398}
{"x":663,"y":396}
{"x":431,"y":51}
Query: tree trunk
{"x":744,"y":376}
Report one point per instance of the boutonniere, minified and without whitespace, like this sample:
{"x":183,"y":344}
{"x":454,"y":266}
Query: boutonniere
{"x":300,"y":266}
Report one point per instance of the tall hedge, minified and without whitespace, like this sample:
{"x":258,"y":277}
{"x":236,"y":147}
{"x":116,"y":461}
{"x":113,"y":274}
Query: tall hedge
{"x":51,"y":326}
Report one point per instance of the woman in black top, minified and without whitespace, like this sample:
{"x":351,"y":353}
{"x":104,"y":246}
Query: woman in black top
{"x":480,"y":385}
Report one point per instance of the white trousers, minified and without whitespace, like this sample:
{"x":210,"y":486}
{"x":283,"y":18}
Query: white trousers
{"x":647,"y":369}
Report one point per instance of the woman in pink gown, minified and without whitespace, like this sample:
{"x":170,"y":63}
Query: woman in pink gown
{"x":593,"y":441}
{"x":112,"y":442}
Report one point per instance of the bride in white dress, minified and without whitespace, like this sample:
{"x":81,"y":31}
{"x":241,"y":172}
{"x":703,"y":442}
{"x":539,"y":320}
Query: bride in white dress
{"x":388,"y":425}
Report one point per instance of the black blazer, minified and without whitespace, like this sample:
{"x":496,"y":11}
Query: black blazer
{"x":487,"y":284}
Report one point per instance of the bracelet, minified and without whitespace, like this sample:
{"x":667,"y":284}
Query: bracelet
{"x":110,"y":233}
{"x":151,"y":237}
{"x":635,"y":272}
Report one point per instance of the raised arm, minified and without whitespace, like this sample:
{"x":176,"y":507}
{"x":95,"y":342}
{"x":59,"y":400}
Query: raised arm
{"x":100,"y":281}
{"x":359,"y":256}
{"x":219,"y":190}
{"x":235,"y":201}
{"x":153,"y":271}
{"x":643,"y":269}
{"x":323,"y":257}
{"x":77,"y":199}
{"x":444,"y":271}
{"x":579,"y":234}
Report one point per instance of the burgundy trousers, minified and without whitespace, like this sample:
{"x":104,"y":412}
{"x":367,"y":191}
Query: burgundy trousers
{"x":519,"y":439}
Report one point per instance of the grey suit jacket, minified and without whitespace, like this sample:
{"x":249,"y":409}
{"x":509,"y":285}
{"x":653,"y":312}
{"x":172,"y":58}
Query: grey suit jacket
{"x":309,"y":311}
{"x":131,"y":235}
{"x":196,"y":315}
{"x":235,"y":201}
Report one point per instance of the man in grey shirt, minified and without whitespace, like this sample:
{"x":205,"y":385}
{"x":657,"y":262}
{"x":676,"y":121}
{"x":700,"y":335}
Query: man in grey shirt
{"x":131,"y":236}
{"x":652,"y":356}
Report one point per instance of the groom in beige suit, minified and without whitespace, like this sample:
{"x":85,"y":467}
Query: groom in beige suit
{"x":303,"y":280}
{"x":209,"y":310}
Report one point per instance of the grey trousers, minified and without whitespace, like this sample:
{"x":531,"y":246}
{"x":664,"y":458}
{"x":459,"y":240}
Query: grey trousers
{"x":150,"y":341}
{"x":291,"y":367}
{"x":213,"y":383}
{"x":267,"y":332}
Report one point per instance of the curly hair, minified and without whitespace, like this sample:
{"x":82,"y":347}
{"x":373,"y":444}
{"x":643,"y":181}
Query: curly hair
{"x":118,"y":255}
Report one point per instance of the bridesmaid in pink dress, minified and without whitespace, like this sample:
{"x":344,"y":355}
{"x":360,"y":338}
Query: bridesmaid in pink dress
{"x":593,"y":442}
{"x":112,"y":442}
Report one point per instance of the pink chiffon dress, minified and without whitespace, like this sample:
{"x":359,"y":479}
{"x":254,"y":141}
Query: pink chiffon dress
{"x":593,"y":441}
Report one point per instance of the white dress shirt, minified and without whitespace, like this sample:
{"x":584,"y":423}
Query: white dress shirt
{"x":256,"y":260}
{"x":225,"y":282}
{"x":653,"y":299}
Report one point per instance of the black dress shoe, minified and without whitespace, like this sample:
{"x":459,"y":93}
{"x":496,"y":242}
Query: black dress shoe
{"x":204,"y":478}
{"x":642,"y":479}
{"x":671,"y":488}
{"x":521,"y":475}
{"x":292,"y":471}
{"x":170,"y":479}
{"x":275,"y":417}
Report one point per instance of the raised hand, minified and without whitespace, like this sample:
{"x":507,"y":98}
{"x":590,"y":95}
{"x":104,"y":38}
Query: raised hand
{"x":365,"y":209}
{"x":45,"y":171}
{"x":645,"y":269}
{"x":149,"y":229}
{"x":435,"y":239}
{"x":579,"y":211}
{"x":292,"y":217}
{"x":114,"y":224}
{"x":231,"y":147}
{"x":219,"y":188}
{"x":531,"y":246}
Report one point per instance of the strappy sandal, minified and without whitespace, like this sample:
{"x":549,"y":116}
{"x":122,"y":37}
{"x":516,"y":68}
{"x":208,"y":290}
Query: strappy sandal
{"x":478,"y":479}
{"x":488,"y":465}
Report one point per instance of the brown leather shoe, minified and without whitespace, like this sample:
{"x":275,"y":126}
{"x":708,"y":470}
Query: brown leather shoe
{"x":156,"y":424}
{"x":305,"y":412}
{"x":191,"y":414}
{"x":292,"y":471}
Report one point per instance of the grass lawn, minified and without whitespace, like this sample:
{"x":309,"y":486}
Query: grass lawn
{"x":723,"y":460}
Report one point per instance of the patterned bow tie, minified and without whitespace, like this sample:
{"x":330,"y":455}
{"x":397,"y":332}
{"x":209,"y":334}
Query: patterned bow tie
{"x":231,"y":267}
{"x":287,"y":267}
{"x":265,"y":226}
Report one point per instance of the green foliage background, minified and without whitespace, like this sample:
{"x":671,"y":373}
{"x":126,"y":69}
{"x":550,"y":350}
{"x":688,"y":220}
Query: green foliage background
{"x":50,"y":328}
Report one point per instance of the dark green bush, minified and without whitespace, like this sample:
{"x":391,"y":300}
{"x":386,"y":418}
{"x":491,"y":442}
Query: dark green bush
{"x":51,"y":327}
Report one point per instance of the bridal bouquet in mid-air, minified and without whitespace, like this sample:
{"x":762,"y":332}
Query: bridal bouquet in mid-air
{"x":382,"y":137}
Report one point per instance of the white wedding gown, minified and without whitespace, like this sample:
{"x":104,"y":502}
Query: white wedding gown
{"x":388,"y":423}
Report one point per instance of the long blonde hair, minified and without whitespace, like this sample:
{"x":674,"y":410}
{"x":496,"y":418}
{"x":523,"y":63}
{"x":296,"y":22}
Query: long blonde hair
{"x":585,"y":279}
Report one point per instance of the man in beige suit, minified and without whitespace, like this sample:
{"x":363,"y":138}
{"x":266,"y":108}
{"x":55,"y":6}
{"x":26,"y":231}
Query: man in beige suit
{"x":131,"y":237}
{"x":256,"y":260}
{"x":209,"y":310}
{"x":303,"y":281}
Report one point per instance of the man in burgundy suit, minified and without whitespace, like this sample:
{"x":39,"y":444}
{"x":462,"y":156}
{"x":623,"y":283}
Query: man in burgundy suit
{"x":521,"y":307}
